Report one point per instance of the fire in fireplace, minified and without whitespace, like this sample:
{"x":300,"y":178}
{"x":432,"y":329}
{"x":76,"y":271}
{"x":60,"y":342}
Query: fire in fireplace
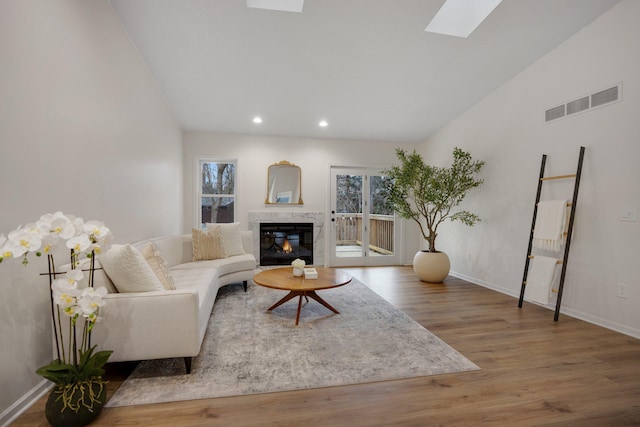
{"x":283,"y":242}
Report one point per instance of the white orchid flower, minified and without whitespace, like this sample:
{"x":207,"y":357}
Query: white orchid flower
{"x":35,"y":228}
{"x":61,"y":226}
{"x":95,"y":228}
{"x":79,"y":243}
{"x":99,"y":235}
{"x":65,"y":294}
{"x":6,"y":251}
{"x":74,"y":277}
{"x":49,"y":241}
{"x":23,"y":241}
{"x":91,"y":299}
{"x":45,"y":220}
{"x":103,"y":243}
{"x":90,"y":302}
{"x":78,"y":223}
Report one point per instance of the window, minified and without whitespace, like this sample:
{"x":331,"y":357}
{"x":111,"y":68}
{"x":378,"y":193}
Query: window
{"x":216,"y":191}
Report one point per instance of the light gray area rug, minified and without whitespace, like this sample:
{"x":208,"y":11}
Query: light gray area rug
{"x":248,"y":350}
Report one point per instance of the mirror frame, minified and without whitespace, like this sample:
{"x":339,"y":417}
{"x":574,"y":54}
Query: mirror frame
{"x":271,"y":169}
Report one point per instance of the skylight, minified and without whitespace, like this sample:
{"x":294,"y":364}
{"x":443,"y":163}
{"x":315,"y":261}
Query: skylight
{"x":460,"y":18}
{"x":279,"y":5}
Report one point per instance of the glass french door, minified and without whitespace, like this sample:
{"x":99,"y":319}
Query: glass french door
{"x":363,"y":231}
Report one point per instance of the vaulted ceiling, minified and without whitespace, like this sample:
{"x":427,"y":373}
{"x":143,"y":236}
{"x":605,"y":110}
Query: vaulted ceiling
{"x":367,"y":67}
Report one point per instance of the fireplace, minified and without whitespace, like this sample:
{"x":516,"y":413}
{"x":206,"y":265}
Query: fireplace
{"x":282,"y":242}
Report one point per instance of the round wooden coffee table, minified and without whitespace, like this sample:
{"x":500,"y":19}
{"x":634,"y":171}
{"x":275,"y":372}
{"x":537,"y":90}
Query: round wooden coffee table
{"x":283,"y":278}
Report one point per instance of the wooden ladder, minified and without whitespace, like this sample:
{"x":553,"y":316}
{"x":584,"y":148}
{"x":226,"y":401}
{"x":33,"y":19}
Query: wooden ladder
{"x":567,"y":245}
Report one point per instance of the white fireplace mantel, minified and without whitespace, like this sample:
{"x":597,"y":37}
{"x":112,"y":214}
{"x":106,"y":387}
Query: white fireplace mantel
{"x":317,"y":218}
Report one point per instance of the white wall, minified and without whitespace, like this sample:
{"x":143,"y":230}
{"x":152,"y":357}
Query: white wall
{"x":508,"y":131}
{"x":254,"y":155}
{"x":85,"y":130}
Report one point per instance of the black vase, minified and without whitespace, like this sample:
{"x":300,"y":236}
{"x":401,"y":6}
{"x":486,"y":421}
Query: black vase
{"x":81,"y":404}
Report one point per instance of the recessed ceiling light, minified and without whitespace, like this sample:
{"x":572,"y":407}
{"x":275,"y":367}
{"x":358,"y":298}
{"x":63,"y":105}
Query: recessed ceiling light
{"x":461,"y":17}
{"x":279,"y":5}
{"x":257,"y":120}
{"x":323,"y":124}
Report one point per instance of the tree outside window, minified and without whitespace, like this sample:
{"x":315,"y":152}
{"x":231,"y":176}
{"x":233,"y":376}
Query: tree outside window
{"x":217,"y":192}
{"x":349,"y":194}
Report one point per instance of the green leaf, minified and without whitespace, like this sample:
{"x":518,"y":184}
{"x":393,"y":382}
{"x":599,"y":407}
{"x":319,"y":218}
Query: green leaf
{"x":90,"y":366}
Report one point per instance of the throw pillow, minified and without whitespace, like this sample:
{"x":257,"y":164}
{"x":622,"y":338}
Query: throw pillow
{"x":128,"y":270}
{"x":208,"y":244}
{"x":159,"y":266}
{"x":231,"y":237}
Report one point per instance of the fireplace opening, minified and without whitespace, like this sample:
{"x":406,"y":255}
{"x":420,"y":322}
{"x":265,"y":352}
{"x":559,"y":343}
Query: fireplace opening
{"x":283,"y":242}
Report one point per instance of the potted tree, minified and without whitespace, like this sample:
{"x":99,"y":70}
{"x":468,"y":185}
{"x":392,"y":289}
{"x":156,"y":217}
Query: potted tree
{"x":428,"y":195}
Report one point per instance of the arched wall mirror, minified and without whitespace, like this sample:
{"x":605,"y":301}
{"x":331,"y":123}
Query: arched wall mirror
{"x":284,"y":184}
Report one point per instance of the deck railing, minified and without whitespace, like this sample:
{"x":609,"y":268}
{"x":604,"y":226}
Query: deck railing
{"x":349,"y":231}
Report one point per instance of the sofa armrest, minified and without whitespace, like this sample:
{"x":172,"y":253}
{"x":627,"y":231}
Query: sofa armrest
{"x":149,"y":325}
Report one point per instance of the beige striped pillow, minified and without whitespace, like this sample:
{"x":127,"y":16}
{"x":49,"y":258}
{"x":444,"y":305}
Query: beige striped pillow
{"x":208,"y":244}
{"x":159,"y":266}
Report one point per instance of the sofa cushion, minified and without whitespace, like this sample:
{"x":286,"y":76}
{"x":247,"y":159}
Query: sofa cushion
{"x":224,"y":266}
{"x":231,"y":237}
{"x":200,"y":280}
{"x":128,"y":270}
{"x":159,"y":265}
{"x":208,"y":244}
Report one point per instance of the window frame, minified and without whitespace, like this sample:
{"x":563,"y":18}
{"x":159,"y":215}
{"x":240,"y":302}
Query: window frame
{"x":197,"y":202}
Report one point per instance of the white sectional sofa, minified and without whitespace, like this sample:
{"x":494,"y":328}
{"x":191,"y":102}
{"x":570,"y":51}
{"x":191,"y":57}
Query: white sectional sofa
{"x":164,"y":323}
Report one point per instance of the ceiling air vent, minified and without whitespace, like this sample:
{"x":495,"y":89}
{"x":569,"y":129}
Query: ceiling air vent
{"x":585,"y":103}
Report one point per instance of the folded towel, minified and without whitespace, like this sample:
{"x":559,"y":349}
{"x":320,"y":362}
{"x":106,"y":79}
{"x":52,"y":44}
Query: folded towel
{"x":548,"y":232}
{"x":540,"y":279}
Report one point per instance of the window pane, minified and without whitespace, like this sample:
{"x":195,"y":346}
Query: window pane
{"x":349,"y":193}
{"x":381,"y":219}
{"x":218,"y":178}
{"x":217,"y":209}
{"x":377,"y":198}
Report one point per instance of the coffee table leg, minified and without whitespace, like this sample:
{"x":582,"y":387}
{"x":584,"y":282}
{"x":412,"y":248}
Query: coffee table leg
{"x":299,"y":308}
{"x":289,"y":296}
{"x":311,"y":294}
{"x":315,"y":296}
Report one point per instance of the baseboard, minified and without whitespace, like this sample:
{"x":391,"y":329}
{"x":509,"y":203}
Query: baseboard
{"x":14,"y":411}
{"x":614,"y":326}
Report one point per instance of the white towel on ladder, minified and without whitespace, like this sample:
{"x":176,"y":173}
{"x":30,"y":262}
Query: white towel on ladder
{"x":540,"y":279}
{"x":548,"y":231}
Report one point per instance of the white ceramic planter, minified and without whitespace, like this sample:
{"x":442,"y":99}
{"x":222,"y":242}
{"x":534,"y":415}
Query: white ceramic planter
{"x":432,"y":267}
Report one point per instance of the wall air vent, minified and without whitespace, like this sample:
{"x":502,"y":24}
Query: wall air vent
{"x":554,"y":113}
{"x":588,"y":102}
{"x":605,"y":96}
{"x":578,"y":105}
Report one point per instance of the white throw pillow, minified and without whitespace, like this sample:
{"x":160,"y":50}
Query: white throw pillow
{"x":159,"y":266}
{"x":128,"y":270}
{"x":231,"y":237}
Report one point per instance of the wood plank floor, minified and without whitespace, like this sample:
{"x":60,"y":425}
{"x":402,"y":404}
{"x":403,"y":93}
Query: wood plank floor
{"x":535,"y":372}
